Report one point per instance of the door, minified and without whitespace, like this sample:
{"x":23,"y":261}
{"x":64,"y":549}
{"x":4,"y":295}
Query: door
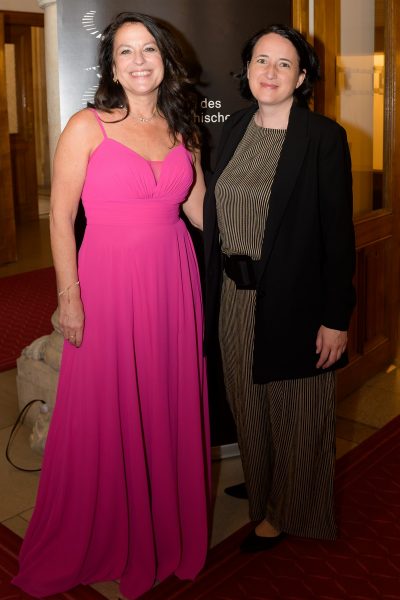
{"x":8,"y":247}
{"x":18,"y":37}
{"x":357,"y":41}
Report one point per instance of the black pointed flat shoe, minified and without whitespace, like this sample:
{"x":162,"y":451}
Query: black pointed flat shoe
{"x":257,"y":543}
{"x":237,"y":491}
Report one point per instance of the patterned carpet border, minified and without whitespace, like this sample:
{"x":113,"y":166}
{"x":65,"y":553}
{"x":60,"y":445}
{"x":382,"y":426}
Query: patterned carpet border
{"x":27,"y":301}
{"x":9,"y":549}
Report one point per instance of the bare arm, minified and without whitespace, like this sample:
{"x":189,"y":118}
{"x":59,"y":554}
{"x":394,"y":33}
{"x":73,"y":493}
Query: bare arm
{"x":70,"y":163}
{"x":193,"y":207}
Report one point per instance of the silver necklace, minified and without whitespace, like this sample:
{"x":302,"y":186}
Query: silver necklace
{"x":144,"y":119}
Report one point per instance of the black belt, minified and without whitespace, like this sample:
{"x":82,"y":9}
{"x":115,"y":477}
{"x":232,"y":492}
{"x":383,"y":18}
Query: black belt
{"x":242,"y":270}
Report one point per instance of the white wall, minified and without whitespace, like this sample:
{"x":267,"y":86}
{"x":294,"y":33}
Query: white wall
{"x":20,"y":5}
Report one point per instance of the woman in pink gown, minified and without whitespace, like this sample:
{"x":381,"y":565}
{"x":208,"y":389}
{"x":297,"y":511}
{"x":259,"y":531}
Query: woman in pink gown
{"x":124,"y":490}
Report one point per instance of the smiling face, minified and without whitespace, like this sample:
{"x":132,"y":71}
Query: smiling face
{"x":138,"y":63}
{"x":273,"y":71}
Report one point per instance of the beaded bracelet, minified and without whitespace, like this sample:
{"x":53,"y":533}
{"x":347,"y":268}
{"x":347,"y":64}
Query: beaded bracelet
{"x":68,"y":288}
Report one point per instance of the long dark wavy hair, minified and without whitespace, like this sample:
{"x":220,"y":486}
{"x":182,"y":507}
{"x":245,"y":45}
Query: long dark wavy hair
{"x":308,"y":61}
{"x":176,"y":97}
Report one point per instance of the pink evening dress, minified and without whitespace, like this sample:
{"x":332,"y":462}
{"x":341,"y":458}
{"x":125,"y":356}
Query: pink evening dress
{"x":125,"y":485}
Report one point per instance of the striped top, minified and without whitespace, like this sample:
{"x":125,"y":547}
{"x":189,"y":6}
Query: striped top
{"x":242,"y":191}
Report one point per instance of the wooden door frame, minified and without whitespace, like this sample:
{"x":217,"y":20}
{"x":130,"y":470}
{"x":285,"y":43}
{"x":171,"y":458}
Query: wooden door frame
{"x":8,"y":246}
{"x":391,"y":158}
{"x":379,"y":225}
{"x":301,"y":17}
{"x":17,"y":27}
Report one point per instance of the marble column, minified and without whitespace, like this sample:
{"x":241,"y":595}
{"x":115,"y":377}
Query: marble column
{"x":52,"y":78}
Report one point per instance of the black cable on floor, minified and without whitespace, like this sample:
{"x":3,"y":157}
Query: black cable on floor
{"x":14,"y":430}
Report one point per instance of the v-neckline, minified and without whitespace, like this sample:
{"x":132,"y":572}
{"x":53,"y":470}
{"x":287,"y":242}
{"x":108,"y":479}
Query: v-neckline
{"x":145,"y":160}
{"x":139,"y":155}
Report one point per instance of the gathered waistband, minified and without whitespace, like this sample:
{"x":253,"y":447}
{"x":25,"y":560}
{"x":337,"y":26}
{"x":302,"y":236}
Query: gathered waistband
{"x":137,"y":213}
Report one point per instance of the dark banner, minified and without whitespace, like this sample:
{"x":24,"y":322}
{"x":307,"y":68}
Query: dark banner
{"x":212,"y":34}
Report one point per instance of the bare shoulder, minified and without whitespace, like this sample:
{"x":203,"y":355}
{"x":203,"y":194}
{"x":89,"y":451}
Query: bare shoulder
{"x":82,"y":131}
{"x":83,"y":123}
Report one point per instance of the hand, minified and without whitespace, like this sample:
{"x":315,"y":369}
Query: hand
{"x":71,"y":318}
{"x":330,"y":345}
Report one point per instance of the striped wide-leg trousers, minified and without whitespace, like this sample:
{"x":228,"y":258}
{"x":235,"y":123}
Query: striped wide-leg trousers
{"x":286,"y":430}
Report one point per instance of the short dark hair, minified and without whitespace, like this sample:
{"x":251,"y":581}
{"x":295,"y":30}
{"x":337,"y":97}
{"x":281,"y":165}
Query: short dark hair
{"x":308,"y":61}
{"x":176,"y":98}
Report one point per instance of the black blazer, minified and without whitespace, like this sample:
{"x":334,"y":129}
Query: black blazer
{"x":308,"y":252}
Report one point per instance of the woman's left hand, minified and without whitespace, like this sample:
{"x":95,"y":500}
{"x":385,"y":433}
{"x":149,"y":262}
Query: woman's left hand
{"x":330,"y":345}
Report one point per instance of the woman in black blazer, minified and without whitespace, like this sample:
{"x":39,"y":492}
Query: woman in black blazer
{"x":279,"y":251}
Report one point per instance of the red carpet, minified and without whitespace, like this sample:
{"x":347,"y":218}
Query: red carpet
{"x":27,"y":302}
{"x":9,"y":548}
{"x":364,"y":564}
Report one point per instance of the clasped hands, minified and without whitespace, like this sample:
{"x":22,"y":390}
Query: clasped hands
{"x":330,"y":345}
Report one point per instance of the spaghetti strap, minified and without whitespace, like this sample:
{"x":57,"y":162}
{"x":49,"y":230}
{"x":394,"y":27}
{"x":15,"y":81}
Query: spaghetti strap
{"x":99,"y":122}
